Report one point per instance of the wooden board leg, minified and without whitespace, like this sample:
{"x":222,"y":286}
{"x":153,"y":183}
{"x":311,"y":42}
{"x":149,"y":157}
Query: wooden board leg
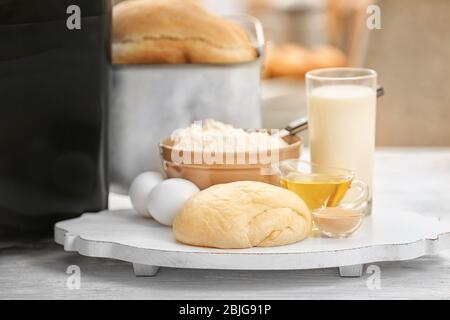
{"x":353,"y":271}
{"x":142,"y":270}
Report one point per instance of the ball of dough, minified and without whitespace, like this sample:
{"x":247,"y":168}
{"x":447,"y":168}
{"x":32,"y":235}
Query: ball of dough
{"x":243,"y":214}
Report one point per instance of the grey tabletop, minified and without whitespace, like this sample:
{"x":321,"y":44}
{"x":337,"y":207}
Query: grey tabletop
{"x":415,"y":179}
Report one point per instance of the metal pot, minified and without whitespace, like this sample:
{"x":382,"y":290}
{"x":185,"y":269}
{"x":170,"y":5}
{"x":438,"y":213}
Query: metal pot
{"x":150,"y":101}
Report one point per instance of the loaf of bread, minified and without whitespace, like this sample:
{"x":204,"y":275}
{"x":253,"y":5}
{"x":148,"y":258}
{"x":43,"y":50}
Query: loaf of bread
{"x":327,"y":57}
{"x":286,"y":60}
{"x":242,"y":214}
{"x":293,"y":60}
{"x":175,"y":31}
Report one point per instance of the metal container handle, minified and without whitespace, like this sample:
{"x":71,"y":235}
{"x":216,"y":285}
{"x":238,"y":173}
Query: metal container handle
{"x":258,"y":31}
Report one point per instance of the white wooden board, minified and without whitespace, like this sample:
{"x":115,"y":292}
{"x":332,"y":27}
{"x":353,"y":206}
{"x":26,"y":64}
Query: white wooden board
{"x":124,"y":235}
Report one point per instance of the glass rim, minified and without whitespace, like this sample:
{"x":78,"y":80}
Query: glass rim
{"x":366,"y":73}
{"x":319,"y":212}
{"x":344,"y":173}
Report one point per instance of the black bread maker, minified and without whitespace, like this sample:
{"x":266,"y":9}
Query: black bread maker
{"x":54,"y":91}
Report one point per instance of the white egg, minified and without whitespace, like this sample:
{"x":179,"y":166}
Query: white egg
{"x":167,"y":198}
{"x":140,"y":189}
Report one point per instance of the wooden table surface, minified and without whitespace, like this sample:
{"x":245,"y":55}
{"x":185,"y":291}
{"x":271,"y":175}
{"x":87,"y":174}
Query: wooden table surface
{"x":413,"y":179}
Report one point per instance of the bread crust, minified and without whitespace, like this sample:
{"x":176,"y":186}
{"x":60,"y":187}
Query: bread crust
{"x":241,"y":215}
{"x":287,"y":60}
{"x":175,"y":31}
{"x":293,"y":60}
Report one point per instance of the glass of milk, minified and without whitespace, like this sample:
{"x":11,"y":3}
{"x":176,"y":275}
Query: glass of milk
{"x":341,"y":116}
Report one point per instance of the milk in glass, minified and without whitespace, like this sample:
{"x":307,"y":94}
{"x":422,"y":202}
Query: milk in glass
{"x":342,"y":128}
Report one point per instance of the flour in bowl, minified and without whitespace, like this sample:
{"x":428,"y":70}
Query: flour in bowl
{"x":215,"y":136}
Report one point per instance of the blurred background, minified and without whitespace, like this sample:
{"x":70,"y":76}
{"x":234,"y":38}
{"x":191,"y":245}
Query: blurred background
{"x":410,"y":53}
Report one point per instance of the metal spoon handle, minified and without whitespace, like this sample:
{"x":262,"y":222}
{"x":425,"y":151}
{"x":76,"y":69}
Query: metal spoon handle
{"x":380,"y":91}
{"x":297,"y":126}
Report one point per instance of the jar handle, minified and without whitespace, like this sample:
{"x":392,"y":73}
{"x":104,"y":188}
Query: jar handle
{"x":362,"y":198}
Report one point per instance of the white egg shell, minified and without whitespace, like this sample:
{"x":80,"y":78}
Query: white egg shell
{"x":140,"y":190}
{"x":167,"y":198}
